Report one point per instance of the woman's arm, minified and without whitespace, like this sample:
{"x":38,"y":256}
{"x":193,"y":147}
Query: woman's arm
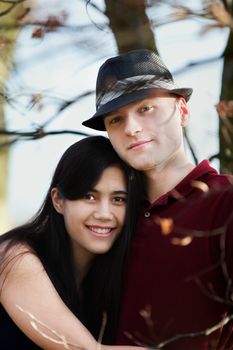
{"x":26,"y":284}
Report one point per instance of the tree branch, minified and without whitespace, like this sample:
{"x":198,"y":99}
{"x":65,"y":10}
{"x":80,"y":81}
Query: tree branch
{"x":13,"y":4}
{"x":204,"y":332}
{"x":35,"y":135}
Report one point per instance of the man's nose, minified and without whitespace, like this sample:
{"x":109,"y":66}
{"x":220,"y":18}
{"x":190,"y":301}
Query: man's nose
{"x":132,"y":125}
{"x":103,"y":211}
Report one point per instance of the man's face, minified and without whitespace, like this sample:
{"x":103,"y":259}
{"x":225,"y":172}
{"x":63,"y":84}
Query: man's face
{"x":148,"y":133}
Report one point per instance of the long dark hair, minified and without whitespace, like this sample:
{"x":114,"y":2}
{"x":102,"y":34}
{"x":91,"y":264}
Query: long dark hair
{"x":77,"y":172}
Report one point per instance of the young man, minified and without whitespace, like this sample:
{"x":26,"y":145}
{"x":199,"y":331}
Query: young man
{"x":178,"y":288}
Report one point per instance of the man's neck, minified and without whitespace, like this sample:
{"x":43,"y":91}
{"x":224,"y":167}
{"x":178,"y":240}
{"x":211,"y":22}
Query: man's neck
{"x":163,"y":179}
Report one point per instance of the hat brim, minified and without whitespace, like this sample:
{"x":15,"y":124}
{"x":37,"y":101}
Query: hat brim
{"x":96,"y":122}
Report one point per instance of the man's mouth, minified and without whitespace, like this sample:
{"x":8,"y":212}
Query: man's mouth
{"x":138,"y":144}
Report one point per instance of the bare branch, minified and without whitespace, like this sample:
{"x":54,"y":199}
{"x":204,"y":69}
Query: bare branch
{"x":204,"y":332}
{"x":13,"y":4}
{"x":67,"y":104}
{"x":190,"y":146}
{"x":88,"y":2}
{"x":221,"y":157}
{"x":35,"y":135}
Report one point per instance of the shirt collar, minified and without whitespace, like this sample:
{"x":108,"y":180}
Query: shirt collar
{"x":183,"y":188}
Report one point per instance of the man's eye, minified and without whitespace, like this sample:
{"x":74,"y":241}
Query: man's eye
{"x":114,"y":120}
{"x":146,"y":108}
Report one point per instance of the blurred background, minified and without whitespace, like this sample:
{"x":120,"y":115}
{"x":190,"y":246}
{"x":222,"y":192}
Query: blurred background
{"x":50,"y":53}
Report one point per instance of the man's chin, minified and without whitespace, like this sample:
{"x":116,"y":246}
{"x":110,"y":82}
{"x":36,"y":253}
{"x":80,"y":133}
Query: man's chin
{"x":141,"y":166}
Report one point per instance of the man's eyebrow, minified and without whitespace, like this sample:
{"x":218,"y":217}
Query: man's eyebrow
{"x":114,"y":113}
{"x":110,"y":114}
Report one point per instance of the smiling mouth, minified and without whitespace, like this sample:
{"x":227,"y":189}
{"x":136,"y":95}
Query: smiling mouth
{"x":100,"y":231}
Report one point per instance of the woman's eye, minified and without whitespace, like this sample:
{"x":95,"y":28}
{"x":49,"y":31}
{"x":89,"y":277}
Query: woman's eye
{"x":89,"y":197}
{"x":119,"y":200}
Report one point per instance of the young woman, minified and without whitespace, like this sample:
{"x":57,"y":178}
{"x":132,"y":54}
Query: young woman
{"x":64,"y":267}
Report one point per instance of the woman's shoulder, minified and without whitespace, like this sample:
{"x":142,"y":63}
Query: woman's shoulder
{"x":11,"y":250}
{"x":16,"y":258}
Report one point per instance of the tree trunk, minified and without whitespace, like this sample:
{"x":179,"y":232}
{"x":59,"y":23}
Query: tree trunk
{"x":7,"y":42}
{"x":226,"y":121}
{"x":130,"y":25}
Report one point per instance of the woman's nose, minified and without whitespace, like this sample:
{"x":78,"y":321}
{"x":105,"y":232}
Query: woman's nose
{"x":103,"y":211}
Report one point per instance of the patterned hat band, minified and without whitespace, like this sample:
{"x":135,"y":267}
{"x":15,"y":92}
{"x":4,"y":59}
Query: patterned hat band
{"x":129,"y":85}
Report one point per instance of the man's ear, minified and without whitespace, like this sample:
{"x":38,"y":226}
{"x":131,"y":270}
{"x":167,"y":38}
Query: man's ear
{"x":57,"y":200}
{"x":184,"y":112}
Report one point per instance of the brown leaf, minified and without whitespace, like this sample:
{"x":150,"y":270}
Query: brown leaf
{"x":146,"y":312}
{"x":37,"y":101}
{"x":205,"y":29}
{"x":38,"y":33}
{"x":166,"y":225}
{"x":200,"y":185}
{"x":221,"y":15}
{"x":181,"y":241}
{"x":176,"y":194}
{"x":3,"y":42}
{"x":52,"y":23}
{"x":182,"y":12}
{"x":225,"y":109}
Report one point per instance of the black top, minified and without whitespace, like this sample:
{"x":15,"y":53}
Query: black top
{"x":11,"y":337}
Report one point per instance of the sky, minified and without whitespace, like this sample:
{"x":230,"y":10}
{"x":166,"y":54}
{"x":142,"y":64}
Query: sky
{"x":65,"y":63}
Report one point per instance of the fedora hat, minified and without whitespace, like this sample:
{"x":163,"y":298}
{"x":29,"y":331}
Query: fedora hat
{"x":127,"y":78}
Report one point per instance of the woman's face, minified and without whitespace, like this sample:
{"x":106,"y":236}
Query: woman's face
{"x":94,"y":222}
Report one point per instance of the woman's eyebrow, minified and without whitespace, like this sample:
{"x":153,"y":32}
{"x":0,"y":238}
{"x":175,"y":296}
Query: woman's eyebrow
{"x":115,"y":192}
{"x":120,"y":192}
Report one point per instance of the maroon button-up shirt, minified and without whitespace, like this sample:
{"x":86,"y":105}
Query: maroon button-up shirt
{"x":178,"y":281}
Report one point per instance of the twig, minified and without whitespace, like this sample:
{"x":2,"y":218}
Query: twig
{"x":39,"y":133}
{"x":88,"y":2}
{"x":190,"y":146}
{"x":204,"y":332}
{"x":34,"y":135}
{"x":11,"y":7}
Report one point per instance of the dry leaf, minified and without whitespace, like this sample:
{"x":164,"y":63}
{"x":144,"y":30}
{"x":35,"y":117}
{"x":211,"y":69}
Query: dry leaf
{"x":3,"y":42}
{"x":166,"y":225}
{"x":177,"y":195}
{"x":37,"y":101}
{"x":217,"y":12}
{"x":182,"y":13}
{"x":221,"y":15}
{"x":37,"y":33}
{"x":182,"y":241}
{"x":146,"y":315}
{"x":146,"y":312}
{"x":200,"y":185}
{"x":225,"y":109}
{"x":52,"y":23}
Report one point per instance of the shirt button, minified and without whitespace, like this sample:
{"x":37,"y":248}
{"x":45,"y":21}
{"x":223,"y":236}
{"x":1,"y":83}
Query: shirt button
{"x":147,"y":214}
